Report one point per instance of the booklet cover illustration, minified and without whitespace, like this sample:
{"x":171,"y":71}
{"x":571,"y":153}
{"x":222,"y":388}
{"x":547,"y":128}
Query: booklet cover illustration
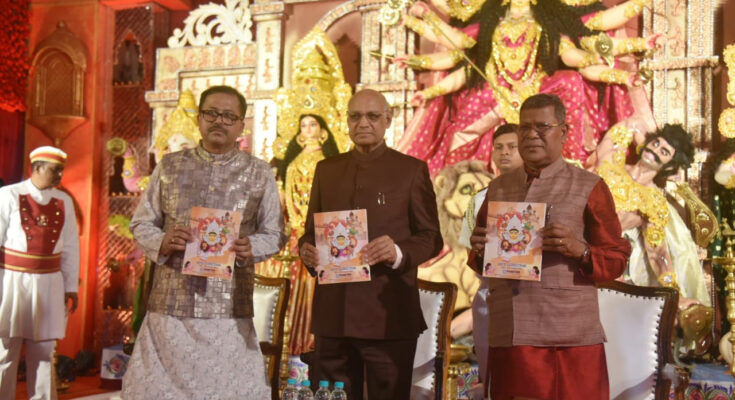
{"x":515,"y":246}
{"x":340,"y":237}
{"x":210,"y":254}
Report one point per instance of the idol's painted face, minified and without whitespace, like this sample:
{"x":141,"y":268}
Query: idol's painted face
{"x":310,"y":128}
{"x":657,"y":153}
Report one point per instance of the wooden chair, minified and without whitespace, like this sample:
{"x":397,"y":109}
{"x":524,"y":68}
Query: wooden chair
{"x":270,"y":300}
{"x":431,"y":363}
{"x":638,"y":322}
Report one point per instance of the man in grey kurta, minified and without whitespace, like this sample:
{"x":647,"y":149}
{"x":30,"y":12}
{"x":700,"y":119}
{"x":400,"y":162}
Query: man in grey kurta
{"x":197,"y":340}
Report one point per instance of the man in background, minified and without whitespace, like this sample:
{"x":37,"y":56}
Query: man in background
{"x":39,"y":271}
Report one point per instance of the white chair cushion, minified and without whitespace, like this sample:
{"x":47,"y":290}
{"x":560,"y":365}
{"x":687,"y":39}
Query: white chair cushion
{"x":631,"y":325}
{"x":265,"y":299}
{"x":427,"y":345}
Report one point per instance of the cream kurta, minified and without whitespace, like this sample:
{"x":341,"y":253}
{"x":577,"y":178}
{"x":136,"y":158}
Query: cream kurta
{"x":32,"y":305}
{"x":197,"y":340}
{"x":684,"y":256}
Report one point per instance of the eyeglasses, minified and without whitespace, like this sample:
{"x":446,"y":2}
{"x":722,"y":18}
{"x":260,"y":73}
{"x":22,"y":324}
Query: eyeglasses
{"x":228,"y":118}
{"x":525,"y":129}
{"x":357,"y":117}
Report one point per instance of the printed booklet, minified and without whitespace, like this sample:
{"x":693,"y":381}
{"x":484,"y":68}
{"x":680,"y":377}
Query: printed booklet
{"x":210,"y":254}
{"x":340,"y":237}
{"x":514,"y":246}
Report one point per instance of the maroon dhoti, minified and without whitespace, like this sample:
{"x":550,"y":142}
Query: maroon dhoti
{"x":548,"y":373}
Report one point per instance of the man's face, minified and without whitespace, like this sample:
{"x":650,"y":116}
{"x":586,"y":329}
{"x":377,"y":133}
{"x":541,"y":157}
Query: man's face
{"x":541,"y":136}
{"x":657,"y":153}
{"x":48,"y":175}
{"x":368,"y":118}
{"x":217,"y":135}
{"x":505,"y":153}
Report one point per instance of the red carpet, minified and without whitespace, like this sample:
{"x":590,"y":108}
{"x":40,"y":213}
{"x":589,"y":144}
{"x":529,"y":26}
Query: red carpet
{"x":82,"y":386}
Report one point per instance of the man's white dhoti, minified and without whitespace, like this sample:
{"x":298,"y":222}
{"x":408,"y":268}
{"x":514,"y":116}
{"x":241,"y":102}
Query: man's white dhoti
{"x":195,"y":358}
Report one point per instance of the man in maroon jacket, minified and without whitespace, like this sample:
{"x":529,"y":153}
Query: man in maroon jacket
{"x":545,"y":338}
{"x":373,"y":326}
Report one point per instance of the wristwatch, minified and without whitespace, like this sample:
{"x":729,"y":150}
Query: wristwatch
{"x":586,"y":255}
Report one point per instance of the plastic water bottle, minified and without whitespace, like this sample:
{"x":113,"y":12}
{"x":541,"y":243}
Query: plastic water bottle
{"x":323,"y":392}
{"x":305,"y":391}
{"x":291,"y":391}
{"x":339,"y":391}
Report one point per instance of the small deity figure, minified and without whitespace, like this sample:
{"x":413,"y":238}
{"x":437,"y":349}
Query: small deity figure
{"x":514,"y":237}
{"x":311,"y":127}
{"x":342,"y":241}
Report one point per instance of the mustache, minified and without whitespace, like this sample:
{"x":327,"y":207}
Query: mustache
{"x":216,"y":127}
{"x":655,"y":156}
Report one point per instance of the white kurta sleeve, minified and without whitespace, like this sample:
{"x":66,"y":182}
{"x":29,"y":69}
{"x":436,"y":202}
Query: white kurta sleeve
{"x":70,"y":248}
{"x":5,"y":209}
{"x":147,"y":222}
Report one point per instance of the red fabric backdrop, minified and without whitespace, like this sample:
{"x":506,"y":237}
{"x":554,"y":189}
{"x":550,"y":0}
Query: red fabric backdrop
{"x":14,"y":48}
{"x":12,"y":137}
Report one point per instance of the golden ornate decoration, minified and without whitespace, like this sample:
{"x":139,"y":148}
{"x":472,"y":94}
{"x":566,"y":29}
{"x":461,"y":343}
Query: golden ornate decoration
{"x":521,"y":3}
{"x":415,"y":24}
{"x":702,"y":218}
{"x":596,"y":22}
{"x":630,"y":45}
{"x":589,"y":59}
{"x":464,"y":9}
{"x":728,"y":56}
{"x":579,"y":2}
{"x":390,"y":13}
{"x":300,"y":176}
{"x":630,"y":195}
{"x":668,"y":279}
{"x":615,"y":76}
{"x":523,"y":34}
{"x":726,"y":123}
{"x":317,"y":87}
{"x":604,"y":47}
{"x":116,"y":146}
{"x":419,"y":61}
{"x":728,"y":263}
{"x":183,"y":121}
{"x":434,"y":91}
{"x":634,"y":7}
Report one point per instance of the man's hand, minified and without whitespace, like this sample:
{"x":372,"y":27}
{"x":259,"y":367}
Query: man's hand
{"x":309,"y":255}
{"x":175,"y":239}
{"x":243,"y":249}
{"x":478,"y":239}
{"x":382,"y":249}
{"x":559,"y":238}
{"x":74,"y":300}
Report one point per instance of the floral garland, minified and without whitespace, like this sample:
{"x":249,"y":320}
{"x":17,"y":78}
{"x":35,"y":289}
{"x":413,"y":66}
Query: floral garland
{"x":14,"y":48}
